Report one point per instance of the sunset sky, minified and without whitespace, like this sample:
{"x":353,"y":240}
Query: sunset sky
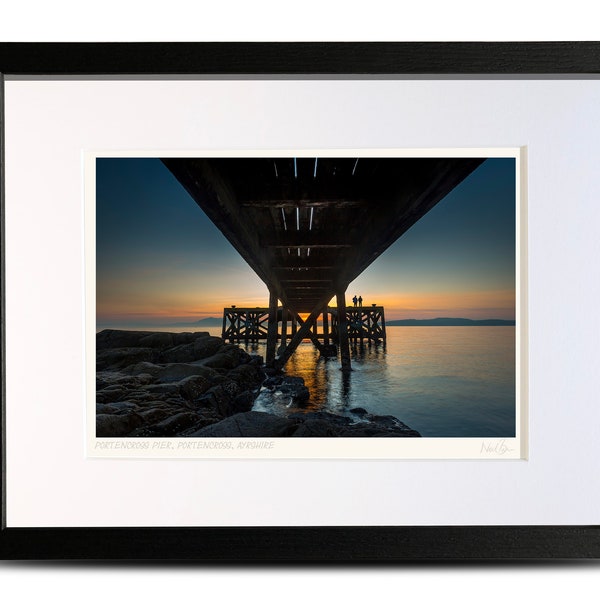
{"x":161,"y":260}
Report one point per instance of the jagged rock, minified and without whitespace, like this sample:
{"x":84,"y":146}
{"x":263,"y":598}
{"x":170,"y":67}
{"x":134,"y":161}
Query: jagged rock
{"x":193,"y":387}
{"x":221,"y":361}
{"x":106,"y":379}
{"x":201,"y":348}
{"x":166,"y":384}
{"x":117,"y":338}
{"x":255,"y":361}
{"x":207,"y":346}
{"x":293,"y":390}
{"x":154,"y":415}
{"x":272,"y":381}
{"x":243,"y":402}
{"x":246,"y":376}
{"x":179,"y":354}
{"x":162,"y":389}
{"x":249,"y":424}
{"x":316,"y":428}
{"x":125,"y":407}
{"x":173,"y":424}
{"x":157,"y":340}
{"x":117,"y":358}
{"x":116,"y":425}
{"x":204,"y":420}
{"x":221,"y":398}
{"x":179,"y":371}
{"x":111,"y":393}
{"x":143,"y":369}
{"x":239,"y":356}
{"x":324,"y":424}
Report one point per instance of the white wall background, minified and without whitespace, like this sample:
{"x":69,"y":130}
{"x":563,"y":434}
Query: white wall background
{"x":236,"y":20}
{"x":50,"y":123}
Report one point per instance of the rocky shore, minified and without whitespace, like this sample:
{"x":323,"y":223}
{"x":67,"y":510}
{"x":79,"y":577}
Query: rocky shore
{"x":158,"y":384}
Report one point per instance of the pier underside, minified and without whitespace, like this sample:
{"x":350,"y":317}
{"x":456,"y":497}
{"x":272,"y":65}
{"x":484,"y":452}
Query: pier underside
{"x":309,"y":226}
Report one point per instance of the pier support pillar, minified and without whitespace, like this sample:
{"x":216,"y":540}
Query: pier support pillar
{"x":326,"y":327}
{"x":343,"y":331}
{"x":272,"y":328}
{"x":224,"y":328}
{"x":284,"y":320}
{"x":294,"y":325}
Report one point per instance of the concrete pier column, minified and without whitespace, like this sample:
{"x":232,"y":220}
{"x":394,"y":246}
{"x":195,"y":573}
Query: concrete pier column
{"x":343,"y":331}
{"x":272,"y":328}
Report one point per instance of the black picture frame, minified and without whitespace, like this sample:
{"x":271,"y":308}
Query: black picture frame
{"x":292,"y":544}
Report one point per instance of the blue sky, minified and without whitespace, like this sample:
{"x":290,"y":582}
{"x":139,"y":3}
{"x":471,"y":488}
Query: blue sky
{"x":160,"y":259}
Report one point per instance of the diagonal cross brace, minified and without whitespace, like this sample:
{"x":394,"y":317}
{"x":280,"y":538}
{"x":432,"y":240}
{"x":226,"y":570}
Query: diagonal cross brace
{"x":311,"y":334}
{"x":305,"y":330}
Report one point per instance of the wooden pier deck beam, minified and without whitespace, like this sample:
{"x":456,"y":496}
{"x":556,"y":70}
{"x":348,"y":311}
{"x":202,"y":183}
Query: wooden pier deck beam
{"x":297,"y":235}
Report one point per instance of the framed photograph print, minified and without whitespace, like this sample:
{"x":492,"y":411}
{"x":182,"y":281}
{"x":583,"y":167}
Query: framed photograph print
{"x":301,"y":301}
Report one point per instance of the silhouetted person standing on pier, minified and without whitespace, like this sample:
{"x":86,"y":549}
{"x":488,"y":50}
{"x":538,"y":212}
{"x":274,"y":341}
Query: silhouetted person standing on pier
{"x":355,"y":300}
{"x":360,"y":301}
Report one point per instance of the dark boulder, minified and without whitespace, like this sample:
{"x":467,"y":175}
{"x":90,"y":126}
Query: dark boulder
{"x":221,"y":360}
{"x":293,"y":390}
{"x":159,"y":340}
{"x":207,"y":346}
{"x":247,"y":376}
{"x":117,"y":338}
{"x":187,"y":337}
{"x":112,"y":393}
{"x":154,"y":415}
{"x":173,"y":425}
{"x":222,"y":399}
{"x":316,"y":428}
{"x":179,"y":371}
{"x":116,"y":425}
{"x":142,"y":369}
{"x":249,"y":424}
{"x":193,"y":387}
{"x":179,"y":354}
{"x":117,"y":358}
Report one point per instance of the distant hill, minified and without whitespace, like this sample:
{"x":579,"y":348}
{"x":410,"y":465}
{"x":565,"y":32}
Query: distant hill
{"x":206,"y":322}
{"x":449,"y":322}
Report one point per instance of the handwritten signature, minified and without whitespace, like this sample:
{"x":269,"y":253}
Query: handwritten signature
{"x":498,"y":447}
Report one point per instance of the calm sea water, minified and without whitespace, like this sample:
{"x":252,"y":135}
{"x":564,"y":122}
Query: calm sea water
{"x":441,"y":381}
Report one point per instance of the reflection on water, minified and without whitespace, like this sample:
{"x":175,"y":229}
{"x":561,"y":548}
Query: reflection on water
{"x":330,"y":387}
{"x":441,"y":381}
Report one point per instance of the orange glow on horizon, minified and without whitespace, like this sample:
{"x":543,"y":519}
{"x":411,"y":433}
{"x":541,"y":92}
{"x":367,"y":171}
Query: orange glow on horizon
{"x":474,"y":305}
